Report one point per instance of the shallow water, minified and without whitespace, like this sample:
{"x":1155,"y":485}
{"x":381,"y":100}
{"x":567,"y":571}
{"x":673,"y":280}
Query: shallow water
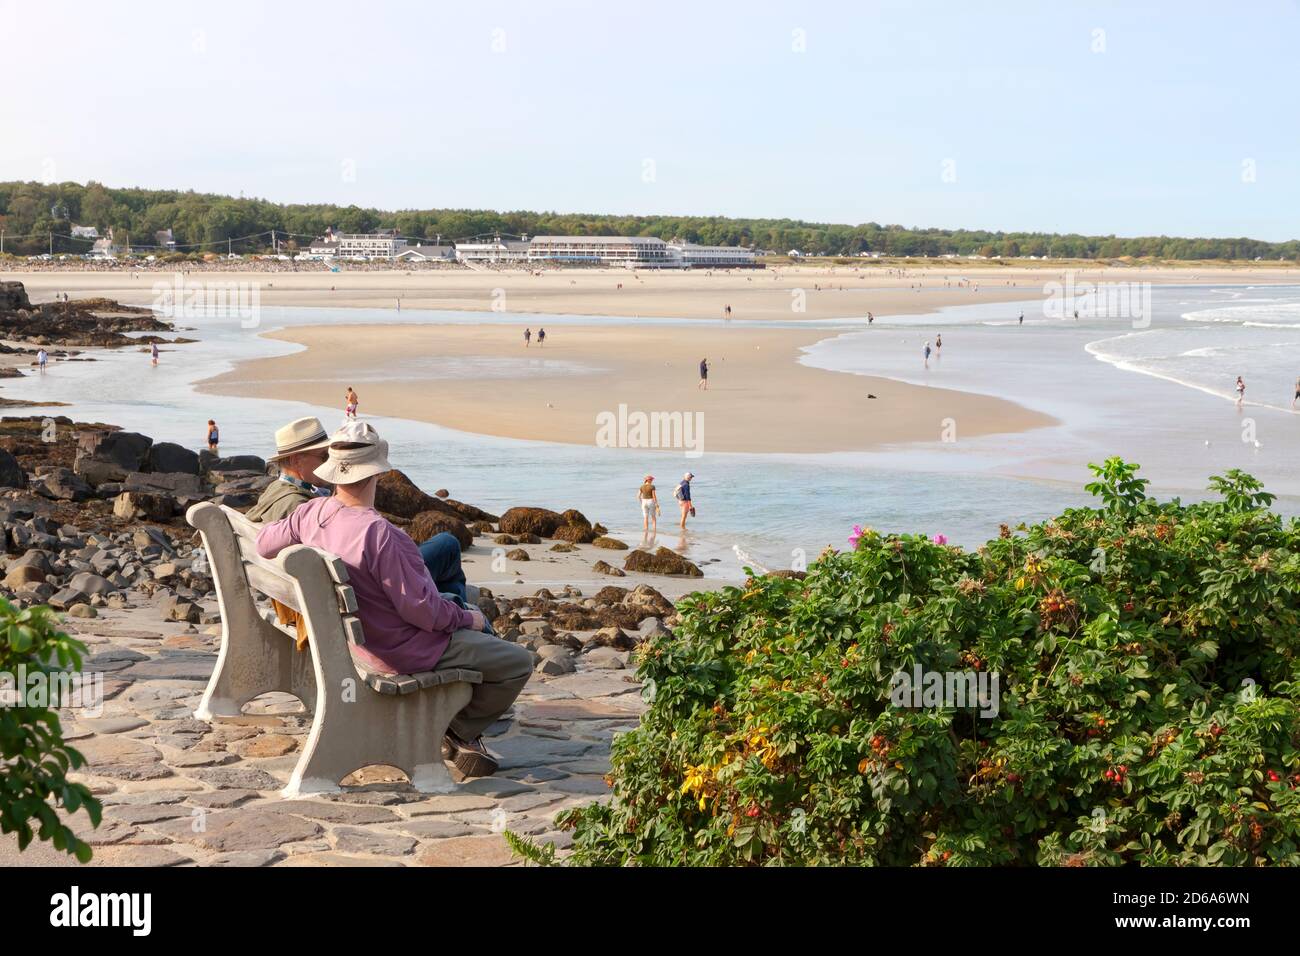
{"x":1155,"y":395}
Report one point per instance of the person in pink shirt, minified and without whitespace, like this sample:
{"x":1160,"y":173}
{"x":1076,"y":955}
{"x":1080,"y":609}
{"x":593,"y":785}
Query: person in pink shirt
{"x":409,"y":627}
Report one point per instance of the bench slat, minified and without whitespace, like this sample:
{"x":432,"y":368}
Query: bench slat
{"x":352,"y":628}
{"x":272,"y":585}
{"x":347,"y":598}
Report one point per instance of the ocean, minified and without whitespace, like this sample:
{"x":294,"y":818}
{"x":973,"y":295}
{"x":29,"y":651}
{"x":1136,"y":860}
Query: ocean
{"x":1156,"y":389}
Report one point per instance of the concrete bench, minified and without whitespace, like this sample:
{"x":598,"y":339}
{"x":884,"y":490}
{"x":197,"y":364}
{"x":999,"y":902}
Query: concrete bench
{"x":359,"y":718}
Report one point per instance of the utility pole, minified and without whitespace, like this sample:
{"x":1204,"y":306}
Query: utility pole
{"x":228,"y":252}
{"x":2,"y":241}
{"x":51,"y":243}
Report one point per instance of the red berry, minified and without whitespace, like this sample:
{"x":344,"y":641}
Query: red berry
{"x":1273,"y":776}
{"x":1109,"y":775}
{"x":1122,"y":768}
{"x":752,"y":811}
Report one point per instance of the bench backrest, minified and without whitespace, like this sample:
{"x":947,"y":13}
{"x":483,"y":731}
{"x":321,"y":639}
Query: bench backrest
{"x":308,"y":580}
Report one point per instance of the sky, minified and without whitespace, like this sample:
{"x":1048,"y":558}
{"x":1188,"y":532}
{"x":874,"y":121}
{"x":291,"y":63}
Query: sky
{"x":1129,"y":118}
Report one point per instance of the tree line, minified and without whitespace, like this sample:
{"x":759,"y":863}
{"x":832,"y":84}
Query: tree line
{"x":36,"y":217}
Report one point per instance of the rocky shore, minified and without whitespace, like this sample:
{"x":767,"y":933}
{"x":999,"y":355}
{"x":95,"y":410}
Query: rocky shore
{"x":82,"y":323}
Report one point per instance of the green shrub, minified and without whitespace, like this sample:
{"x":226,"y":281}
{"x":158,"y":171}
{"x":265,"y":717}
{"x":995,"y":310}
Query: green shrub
{"x":1149,"y":713}
{"x":33,"y":782}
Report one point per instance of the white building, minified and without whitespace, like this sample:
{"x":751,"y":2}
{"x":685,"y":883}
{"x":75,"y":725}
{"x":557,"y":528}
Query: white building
{"x":85,"y":232}
{"x":498,"y":250}
{"x":632,"y":251}
{"x":693,"y":256}
{"x":422,"y":253}
{"x":368,"y":245}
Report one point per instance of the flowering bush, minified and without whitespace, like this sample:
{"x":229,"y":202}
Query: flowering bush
{"x":1148,"y":712}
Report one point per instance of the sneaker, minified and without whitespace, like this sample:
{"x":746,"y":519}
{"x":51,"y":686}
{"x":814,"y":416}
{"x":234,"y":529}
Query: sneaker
{"x":470,"y":757}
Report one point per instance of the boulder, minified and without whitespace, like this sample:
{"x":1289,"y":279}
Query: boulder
{"x":143,"y":505}
{"x":232,"y":463}
{"x":575,"y":533}
{"x":610,"y":594}
{"x":169,"y":457}
{"x":110,"y":456}
{"x":22,"y":574}
{"x":600,"y":567}
{"x":603,"y":541}
{"x":613,"y":637}
{"x":11,"y":473}
{"x":90,"y":584}
{"x":537,"y":521}
{"x":564,"y":546}
{"x":429,"y":523}
{"x":178,"y":609}
{"x":395,"y":494}
{"x":663,"y":561}
{"x":66,"y":598}
{"x":506,"y":539}
{"x":517,"y":554}
{"x":169,"y":483}
{"x":61,"y":484}
{"x":249,"y":484}
{"x":13,"y":296}
{"x":643,"y":595}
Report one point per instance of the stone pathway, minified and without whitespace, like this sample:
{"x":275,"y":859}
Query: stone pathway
{"x":178,"y":791}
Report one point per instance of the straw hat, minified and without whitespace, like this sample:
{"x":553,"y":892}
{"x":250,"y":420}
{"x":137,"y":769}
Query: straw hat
{"x":304,"y":434}
{"x":356,"y":453}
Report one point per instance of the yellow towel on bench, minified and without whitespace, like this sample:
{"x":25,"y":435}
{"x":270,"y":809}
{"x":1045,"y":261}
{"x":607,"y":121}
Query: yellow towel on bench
{"x":288,"y":616}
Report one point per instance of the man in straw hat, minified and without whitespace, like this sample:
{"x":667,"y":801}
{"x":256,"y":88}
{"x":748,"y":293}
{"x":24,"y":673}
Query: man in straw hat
{"x":300,"y":448}
{"x":409,"y":626}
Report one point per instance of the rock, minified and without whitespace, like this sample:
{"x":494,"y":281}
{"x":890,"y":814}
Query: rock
{"x":467,"y":851}
{"x":242,"y":830}
{"x":167,"y":456}
{"x":603,"y":541}
{"x":146,"y":537}
{"x":168,"y":483}
{"x":612,"y":637}
{"x":610,"y":594}
{"x":142,"y":505}
{"x":13,"y":296}
{"x":82,"y":610}
{"x":88,"y":583}
{"x":356,"y":840}
{"x":606,"y":658}
{"x":506,"y":539}
{"x":575,"y":533}
{"x":663,"y":561}
{"x":64,"y":599}
{"x":210,"y":463}
{"x":517,"y":554}
{"x":11,"y":473}
{"x":564,"y":547}
{"x":643,"y":595}
{"x":61,"y":484}
{"x":555,"y":660}
{"x":397,"y":495}
{"x":536,"y":629}
{"x":20,"y":575}
{"x":178,"y":609}
{"x":537,"y":521}
{"x":442,"y":493}
{"x":600,"y":567}
{"x":429,"y":523}
{"x":110,"y":455}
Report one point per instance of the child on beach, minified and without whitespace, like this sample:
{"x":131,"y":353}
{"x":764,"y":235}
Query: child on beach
{"x":43,"y":356}
{"x":938,"y":344}
{"x":541,"y":337}
{"x":528,"y":337}
{"x":214,"y":436}
{"x":649,"y":501}
{"x":350,"y":404}
{"x":153,"y":351}
{"x":927,"y":354}
{"x":683,"y":496}
{"x":1241,"y":390}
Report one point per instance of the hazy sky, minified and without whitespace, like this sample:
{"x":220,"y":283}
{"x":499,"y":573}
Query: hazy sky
{"x":1125,"y":117}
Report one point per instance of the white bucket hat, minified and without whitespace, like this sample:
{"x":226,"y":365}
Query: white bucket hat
{"x":303,"y":434}
{"x":356,"y":453}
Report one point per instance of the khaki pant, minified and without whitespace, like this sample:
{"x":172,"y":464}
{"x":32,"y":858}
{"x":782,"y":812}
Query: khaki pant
{"x":505,"y":667}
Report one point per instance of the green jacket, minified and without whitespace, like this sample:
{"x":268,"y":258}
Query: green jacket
{"x":278,"y":500}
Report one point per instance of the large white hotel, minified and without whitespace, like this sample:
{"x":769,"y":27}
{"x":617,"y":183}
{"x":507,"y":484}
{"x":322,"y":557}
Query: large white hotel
{"x":632,"y":252}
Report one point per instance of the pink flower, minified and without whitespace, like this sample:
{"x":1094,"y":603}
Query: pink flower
{"x":940,"y":539}
{"x":853,"y":538}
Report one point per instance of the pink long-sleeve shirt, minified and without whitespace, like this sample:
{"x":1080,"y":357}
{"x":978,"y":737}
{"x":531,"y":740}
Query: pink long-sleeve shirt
{"x":407,"y":623}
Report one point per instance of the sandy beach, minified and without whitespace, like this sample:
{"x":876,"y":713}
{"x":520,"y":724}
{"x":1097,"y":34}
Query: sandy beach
{"x":764,"y":294}
{"x":760,"y":399}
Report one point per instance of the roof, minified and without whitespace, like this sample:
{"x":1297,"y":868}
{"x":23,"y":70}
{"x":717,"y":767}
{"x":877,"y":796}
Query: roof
{"x":600,"y":240}
{"x":431,"y":252}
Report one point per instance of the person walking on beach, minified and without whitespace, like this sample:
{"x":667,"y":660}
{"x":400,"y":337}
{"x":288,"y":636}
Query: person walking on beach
{"x":1241,"y":391}
{"x":541,"y":337}
{"x":350,"y":403}
{"x":927,"y":354}
{"x":528,"y":337}
{"x":870,"y":318}
{"x":704,"y":374}
{"x":648,"y":498}
{"x":214,"y":436}
{"x":1296,"y":397}
{"x":683,"y":496}
{"x":1022,"y":318}
{"x":938,"y":344}
{"x":153,"y":351}
{"x":41,"y":358}
{"x":727,"y":311}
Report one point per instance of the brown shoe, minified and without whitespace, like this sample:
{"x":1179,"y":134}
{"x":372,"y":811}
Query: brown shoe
{"x":470,"y":757}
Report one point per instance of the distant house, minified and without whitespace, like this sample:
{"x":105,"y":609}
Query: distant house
{"x":321,"y":249}
{"x":164,"y":240}
{"x":794,"y":253}
{"x":431,"y":253}
{"x":85,"y":232}
{"x":107,"y":247}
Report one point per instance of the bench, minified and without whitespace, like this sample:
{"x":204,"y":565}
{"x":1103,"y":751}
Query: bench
{"x":359,"y":718}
